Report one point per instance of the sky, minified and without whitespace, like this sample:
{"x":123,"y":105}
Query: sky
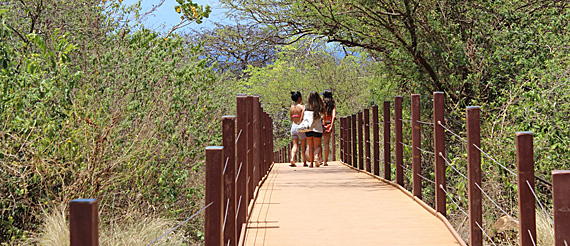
{"x":165,"y":17}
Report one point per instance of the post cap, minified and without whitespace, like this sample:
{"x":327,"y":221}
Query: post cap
{"x":84,"y":200}
{"x":524,"y":133}
{"x":214,"y":148}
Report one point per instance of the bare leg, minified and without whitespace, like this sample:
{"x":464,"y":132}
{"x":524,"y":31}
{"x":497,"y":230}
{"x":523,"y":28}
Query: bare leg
{"x":304,"y":148}
{"x":293,"y":152}
{"x":318,"y":149}
{"x":311,"y":150}
{"x":326,"y":140}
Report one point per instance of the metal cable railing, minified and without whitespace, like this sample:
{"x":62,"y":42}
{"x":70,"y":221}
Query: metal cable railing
{"x":425,"y":123}
{"x":453,"y":200}
{"x":183,"y":222}
{"x":485,"y":233}
{"x":450,"y":131}
{"x":495,"y":203}
{"x":441,"y":131}
{"x":540,"y":203}
{"x":452,"y":166}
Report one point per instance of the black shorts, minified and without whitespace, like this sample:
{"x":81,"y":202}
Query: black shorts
{"x":313,"y":134}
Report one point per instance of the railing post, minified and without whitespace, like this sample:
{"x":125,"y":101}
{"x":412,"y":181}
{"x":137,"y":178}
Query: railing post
{"x":271,"y":139}
{"x":341,"y":139}
{"x":367,"y":140}
{"x":214,"y":195}
{"x":439,"y":150}
{"x":387,"y":155}
{"x":399,"y":147}
{"x":360,"y":142}
{"x":241,"y":149}
{"x":525,"y":173}
{"x":289,"y":150}
{"x":376,"y":145}
{"x":265,"y":145}
{"x":345,"y":142}
{"x":256,"y":141}
{"x":561,"y":205}
{"x":84,"y":222}
{"x":416,"y":145}
{"x":228,"y":135}
{"x":250,"y":161}
{"x":349,"y":140}
{"x":474,"y":175}
{"x":354,"y":142}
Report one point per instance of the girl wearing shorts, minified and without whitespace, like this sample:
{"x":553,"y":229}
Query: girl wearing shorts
{"x":315,"y":104}
{"x":296,"y":115}
{"x":328,"y":121}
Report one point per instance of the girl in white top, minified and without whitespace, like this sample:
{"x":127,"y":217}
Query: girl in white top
{"x":316,"y":105}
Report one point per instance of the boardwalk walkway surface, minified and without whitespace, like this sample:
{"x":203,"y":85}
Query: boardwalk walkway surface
{"x":336,"y":205}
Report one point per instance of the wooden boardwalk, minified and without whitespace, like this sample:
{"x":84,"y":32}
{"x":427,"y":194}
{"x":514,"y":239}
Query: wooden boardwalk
{"x":337,"y":205}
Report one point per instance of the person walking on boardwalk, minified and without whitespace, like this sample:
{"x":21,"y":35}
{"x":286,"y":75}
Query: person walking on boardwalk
{"x":316,"y":107}
{"x":328,"y":122}
{"x":296,"y":114}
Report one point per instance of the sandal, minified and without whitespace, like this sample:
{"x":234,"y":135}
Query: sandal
{"x":305,"y":165}
{"x":292,"y":164}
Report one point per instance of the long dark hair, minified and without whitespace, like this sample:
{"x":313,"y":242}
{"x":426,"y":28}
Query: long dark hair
{"x":329,"y":101}
{"x":295,"y":95}
{"x":315,"y":104}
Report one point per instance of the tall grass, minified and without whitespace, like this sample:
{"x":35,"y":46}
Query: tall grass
{"x":138,"y":230}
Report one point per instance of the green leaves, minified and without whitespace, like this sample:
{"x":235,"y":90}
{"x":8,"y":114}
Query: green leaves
{"x":192,"y":11}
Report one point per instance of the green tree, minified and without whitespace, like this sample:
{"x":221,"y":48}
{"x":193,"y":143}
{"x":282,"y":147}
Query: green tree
{"x":311,"y":64}
{"x":234,"y":47}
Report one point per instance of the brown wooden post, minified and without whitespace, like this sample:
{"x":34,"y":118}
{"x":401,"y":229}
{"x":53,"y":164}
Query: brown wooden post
{"x":256,"y":141}
{"x":525,"y":173}
{"x":345,"y":140}
{"x":272,"y":137}
{"x":84,"y":222}
{"x":367,"y":140}
{"x":387,"y":155}
{"x":229,"y":143}
{"x":341,"y":139}
{"x":264,"y":138}
{"x":474,"y":175}
{"x":360,"y":141}
{"x":399,"y":147}
{"x":376,"y":145}
{"x":439,"y":150}
{"x":354,"y":142}
{"x":250,"y":161}
{"x":561,"y":205}
{"x":241,"y":149}
{"x":214,"y":195}
{"x":416,"y":145}
{"x":289,"y":150}
{"x":349,"y":140}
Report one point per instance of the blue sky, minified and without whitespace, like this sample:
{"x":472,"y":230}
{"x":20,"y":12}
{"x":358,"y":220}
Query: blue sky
{"x":165,"y":17}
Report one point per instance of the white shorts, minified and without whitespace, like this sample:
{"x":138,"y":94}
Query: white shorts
{"x":296,"y":134}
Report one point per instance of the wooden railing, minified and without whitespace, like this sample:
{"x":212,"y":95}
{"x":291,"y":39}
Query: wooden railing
{"x":355,"y":152}
{"x":235,"y":171}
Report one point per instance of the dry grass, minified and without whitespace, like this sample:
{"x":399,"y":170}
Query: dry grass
{"x":544,"y":229}
{"x":55,"y":231}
